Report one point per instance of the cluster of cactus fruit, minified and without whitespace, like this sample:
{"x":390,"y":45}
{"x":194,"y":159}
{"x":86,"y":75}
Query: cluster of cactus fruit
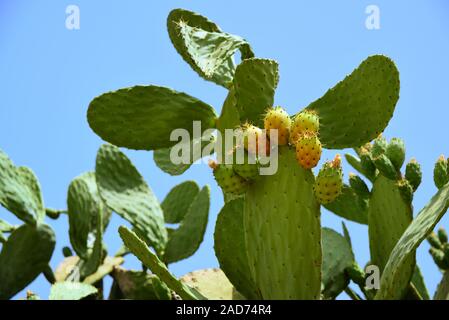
{"x":268,"y":237}
{"x":300,"y":133}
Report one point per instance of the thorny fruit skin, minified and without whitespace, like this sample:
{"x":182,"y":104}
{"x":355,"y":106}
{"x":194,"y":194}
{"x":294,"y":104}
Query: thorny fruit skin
{"x":329,"y":182}
{"x":227,"y":179}
{"x":249,"y":169}
{"x":308,"y":150}
{"x":253,"y":138}
{"x":278,"y":119}
{"x":305,"y":121}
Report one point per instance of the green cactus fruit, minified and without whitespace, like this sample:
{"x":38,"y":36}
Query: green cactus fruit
{"x":358,"y":185}
{"x":329,"y":182}
{"x":385,"y":167}
{"x":446,"y":254}
{"x":406,"y":190}
{"x":308,"y":150}
{"x":249,"y":169}
{"x":67,"y":252}
{"x":442,"y":235}
{"x":304,"y":121}
{"x":413,"y":174}
{"x":227,"y":179}
{"x":253,"y":138}
{"x":396,"y":152}
{"x":367,"y":165}
{"x":379,"y":147}
{"x":440,"y":172}
{"x":439,"y":258}
{"x":434,"y":240}
{"x":278,"y":119}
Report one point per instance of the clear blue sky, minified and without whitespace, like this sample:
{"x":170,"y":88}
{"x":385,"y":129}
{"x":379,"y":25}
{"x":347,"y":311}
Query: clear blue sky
{"x":48,"y":75}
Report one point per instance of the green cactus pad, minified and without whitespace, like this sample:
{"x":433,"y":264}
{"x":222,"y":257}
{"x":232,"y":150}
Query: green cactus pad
{"x":255,"y":82}
{"x":231,"y":250}
{"x":397,"y":272}
{"x":138,"y":285}
{"x":225,"y":71}
{"x":358,"y":108}
{"x":24,"y":256}
{"x":388,"y":217}
{"x":143,"y":117}
{"x":283,"y":232}
{"x":178,"y":200}
{"x":162,"y":156}
{"x":83,"y":206}
{"x":212,"y":283}
{"x":20,"y":191}
{"x":337,"y":257}
{"x":96,"y":254}
{"x":442,"y":292}
{"x":151,"y":261}
{"x":71,"y":291}
{"x":350,"y":206}
{"x":211,"y":52}
{"x":419,"y":284}
{"x":186,"y":239}
{"x":124,"y":191}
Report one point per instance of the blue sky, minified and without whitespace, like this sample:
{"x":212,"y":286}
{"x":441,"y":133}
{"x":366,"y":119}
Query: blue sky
{"x":49,"y":74}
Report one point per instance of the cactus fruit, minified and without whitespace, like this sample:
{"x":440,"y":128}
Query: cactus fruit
{"x":386,"y":167}
{"x":439,"y":258}
{"x":442,"y":235}
{"x":302,"y":122}
{"x":278,"y":119}
{"x":434,"y":240}
{"x":406,"y":190}
{"x":379,"y":147}
{"x":440,"y":172}
{"x":253,"y":138}
{"x":413,"y":174}
{"x":358,"y":185}
{"x":329,"y":182}
{"x":249,"y":169}
{"x":396,"y":152}
{"x":227,"y":179}
{"x":308,"y":150}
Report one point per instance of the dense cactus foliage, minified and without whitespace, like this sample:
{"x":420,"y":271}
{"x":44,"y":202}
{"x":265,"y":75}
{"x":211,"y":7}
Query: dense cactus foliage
{"x":268,"y":237}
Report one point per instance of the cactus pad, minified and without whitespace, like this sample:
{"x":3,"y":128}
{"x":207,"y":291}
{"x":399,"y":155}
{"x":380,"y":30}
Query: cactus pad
{"x":397,"y":272}
{"x":125,"y":192}
{"x":20,"y":191}
{"x":231,"y":249}
{"x":24,"y":256}
{"x":143,"y":117}
{"x":283,"y":233}
{"x":358,"y":108}
{"x":255,"y":82}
